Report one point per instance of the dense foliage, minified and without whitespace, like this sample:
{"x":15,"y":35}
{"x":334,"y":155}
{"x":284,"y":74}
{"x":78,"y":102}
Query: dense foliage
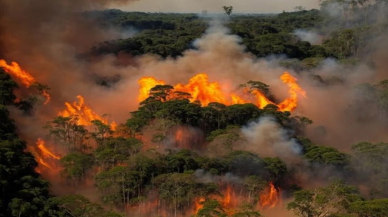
{"x":161,"y":175}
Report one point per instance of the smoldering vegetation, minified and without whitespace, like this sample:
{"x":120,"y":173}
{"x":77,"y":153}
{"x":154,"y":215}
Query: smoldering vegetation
{"x":179,"y":157}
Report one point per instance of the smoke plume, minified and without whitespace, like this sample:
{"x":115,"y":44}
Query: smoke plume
{"x":269,"y":139}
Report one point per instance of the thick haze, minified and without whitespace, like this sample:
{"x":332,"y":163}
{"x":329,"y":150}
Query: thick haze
{"x":215,"y":6}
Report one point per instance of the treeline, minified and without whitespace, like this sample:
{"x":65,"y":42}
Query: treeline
{"x":342,"y":35}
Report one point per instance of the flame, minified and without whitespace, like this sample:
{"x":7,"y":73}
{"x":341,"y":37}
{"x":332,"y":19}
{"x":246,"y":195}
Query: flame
{"x":229,"y":202}
{"x":204,"y":91}
{"x":45,"y":158}
{"x":261,"y":99}
{"x":47,"y":96}
{"x":23,"y":76}
{"x":179,"y":136}
{"x":15,"y":70}
{"x":41,"y":145}
{"x":84,"y":113}
{"x":227,"y":197}
{"x":291,"y":103}
{"x":270,"y":198}
{"x":44,"y":163}
{"x":198,"y":205}
{"x":147,"y":83}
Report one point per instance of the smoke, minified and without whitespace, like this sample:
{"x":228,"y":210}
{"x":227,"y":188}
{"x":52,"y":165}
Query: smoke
{"x":334,"y":9}
{"x":203,"y":176}
{"x":310,"y":36}
{"x":268,"y":138}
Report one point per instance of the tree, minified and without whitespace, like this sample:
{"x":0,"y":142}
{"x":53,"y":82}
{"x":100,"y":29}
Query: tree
{"x":66,"y":131}
{"x":101,"y":131}
{"x":370,"y":162}
{"x":119,"y":185}
{"x":299,"y":8}
{"x":333,"y":200}
{"x":228,"y":9}
{"x":7,"y":85}
{"x":22,"y":191}
{"x":116,"y":151}
{"x":254,"y":184}
{"x":76,"y":166}
{"x":372,"y":208}
{"x":176,"y":190}
{"x":80,"y":206}
{"x":327,"y":156}
{"x":211,"y":208}
{"x":161,"y":92}
{"x":246,"y":210}
{"x":276,"y":168}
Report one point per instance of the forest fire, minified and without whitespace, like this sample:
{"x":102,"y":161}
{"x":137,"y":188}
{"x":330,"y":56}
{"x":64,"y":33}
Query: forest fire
{"x":147,"y":83}
{"x":228,"y":202}
{"x":200,"y":89}
{"x":270,"y":198}
{"x":290,"y":103}
{"x":198,"y":204}
{"x":84,"y":113}
{"x":44,"y":156}
{"x":231,"y":201}
{"x":41,"y":145}
{"x":22,"y":76}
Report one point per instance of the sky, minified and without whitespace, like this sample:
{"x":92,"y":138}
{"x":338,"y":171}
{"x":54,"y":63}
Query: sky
{"x":215,"y":6}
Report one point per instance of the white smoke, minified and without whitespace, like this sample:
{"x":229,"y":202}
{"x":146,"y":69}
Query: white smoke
{"x":268,"y":138}
{"x":310,"y":36}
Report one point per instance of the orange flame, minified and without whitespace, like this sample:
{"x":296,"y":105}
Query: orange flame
{"x":206,"y":92}
{"x":227,"y":197}
{"x":202,"y":90}
{"x":229,"y":202}
{"x":270,"y":198}
{"x":291,"y":103}
{"x":24,"y":77}
{"x":15,"y":70}
{"x":198,"y":204}
{"x":44,"y":157}
{"x":47,"y":96}
{"x":41,"y":145}
{"x":147,"y":83}
{"x":84,"y":113}
{"x":43,"y":163}
{"x":179,"y":136}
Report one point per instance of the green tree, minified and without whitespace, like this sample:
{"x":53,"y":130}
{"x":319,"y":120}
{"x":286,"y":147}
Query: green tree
{"x":246,"y":210}
{"x":335,"y":199}
{"x":116,"y":151}
{"x":211,"y":208}
{"x":371,"y":208}
{"x":228,"y":9}
{"x":76,"y":166}
{"x":370,"y":164}
{"x":276,"y":168}
{"x":66,"y":131}
{"x":22,"y":191}
{"x":254,"y":184}
{"x":7,"y":85}
{"x":120,"y":185}
{"x":79,"y":206}
{"x":101,"y":131}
